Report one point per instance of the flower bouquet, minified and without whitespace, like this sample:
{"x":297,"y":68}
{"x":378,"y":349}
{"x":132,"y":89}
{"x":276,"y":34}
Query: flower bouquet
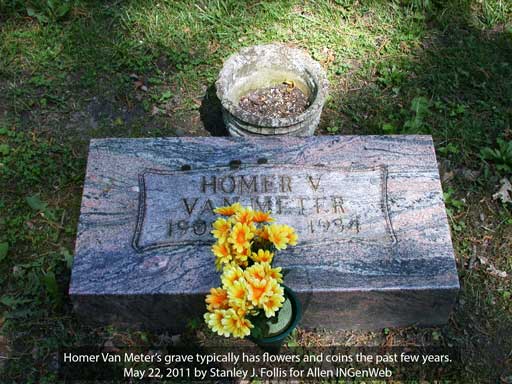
{"x":252,"y":300}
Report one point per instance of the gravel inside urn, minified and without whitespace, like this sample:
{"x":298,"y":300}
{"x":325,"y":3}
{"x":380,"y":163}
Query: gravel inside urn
{"x":282,"y":100}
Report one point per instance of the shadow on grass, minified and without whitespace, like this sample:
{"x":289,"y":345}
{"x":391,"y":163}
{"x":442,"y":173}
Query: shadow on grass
{"x":211,"y":113}
{"x":464,"y":74}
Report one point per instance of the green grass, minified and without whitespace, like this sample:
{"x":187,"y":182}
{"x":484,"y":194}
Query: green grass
{"x":416,"y":66}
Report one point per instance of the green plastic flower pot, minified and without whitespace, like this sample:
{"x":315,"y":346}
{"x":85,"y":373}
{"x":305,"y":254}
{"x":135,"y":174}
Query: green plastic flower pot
{"x":280,"y":328}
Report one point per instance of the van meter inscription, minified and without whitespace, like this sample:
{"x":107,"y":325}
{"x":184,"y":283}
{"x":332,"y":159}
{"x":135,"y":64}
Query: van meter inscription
{"x":374,"y":244}
{"x":323,"y":204}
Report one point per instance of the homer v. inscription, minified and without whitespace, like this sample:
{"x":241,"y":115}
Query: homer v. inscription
{"x":323,"y":204}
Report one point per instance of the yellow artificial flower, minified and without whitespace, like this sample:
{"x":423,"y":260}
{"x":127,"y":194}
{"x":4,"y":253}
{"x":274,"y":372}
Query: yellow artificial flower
{"x":241,"y":236}
{"x":258,"y":283}
{"x":262,"y":217}
{"x":246,"y":290}
{"x":242,"y":307}
{"x":256,"y":291}
{"x":235,"y":324}
{"x":229,"y":210}
{"x":279,"y":235}
{"x":255,"y":271}
{"x":231,"y":274}
{"x":219,"y":264}
{"x":272,"y":273}
{"x":273,"y":300}
{"x":214,"y":321}
{"x":290,"y":234}
{"x":241,"y":258}
{"x":245,"y":216}
{"x":217,"y":299}
{"x":223,"y":253}
{"x":262,"y":256}
{"x":221,"y":231}
{"x":237,"y":294}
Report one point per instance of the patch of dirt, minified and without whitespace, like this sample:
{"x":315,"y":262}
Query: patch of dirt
{"x":283,"y":100}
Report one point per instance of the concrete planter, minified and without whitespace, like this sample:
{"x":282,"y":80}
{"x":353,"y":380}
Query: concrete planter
{"x":262,"y":66}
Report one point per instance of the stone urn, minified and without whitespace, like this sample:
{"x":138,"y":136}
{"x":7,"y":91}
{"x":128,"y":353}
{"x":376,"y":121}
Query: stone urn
{"x":262,"y":66}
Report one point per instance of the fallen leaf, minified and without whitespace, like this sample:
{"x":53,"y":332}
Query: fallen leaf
{"x":486,"y":240}
{"x":389,"y":340}
{"x":504,"y":192}
{"x":328,"y":57}
{"x":491,"y":268}
{"x":213,"y":46}
{"x":496,"y":272}
{"x":447,"y":176}
{"x":405,"y":47}
{"x":156,"y":111}
{"x":483,"y":260}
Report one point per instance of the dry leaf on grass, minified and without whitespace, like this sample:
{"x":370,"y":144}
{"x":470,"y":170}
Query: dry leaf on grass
{"x":505,"y":191}
{"x":213,"y":46}
{"x":156,"y":111}
{"x":496,"y":272}
{"x":328,"y":57}
{"x":491,"y":269}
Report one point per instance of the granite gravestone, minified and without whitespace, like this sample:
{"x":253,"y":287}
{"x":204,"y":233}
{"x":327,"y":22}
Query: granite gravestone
{"x":374,"y":244}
